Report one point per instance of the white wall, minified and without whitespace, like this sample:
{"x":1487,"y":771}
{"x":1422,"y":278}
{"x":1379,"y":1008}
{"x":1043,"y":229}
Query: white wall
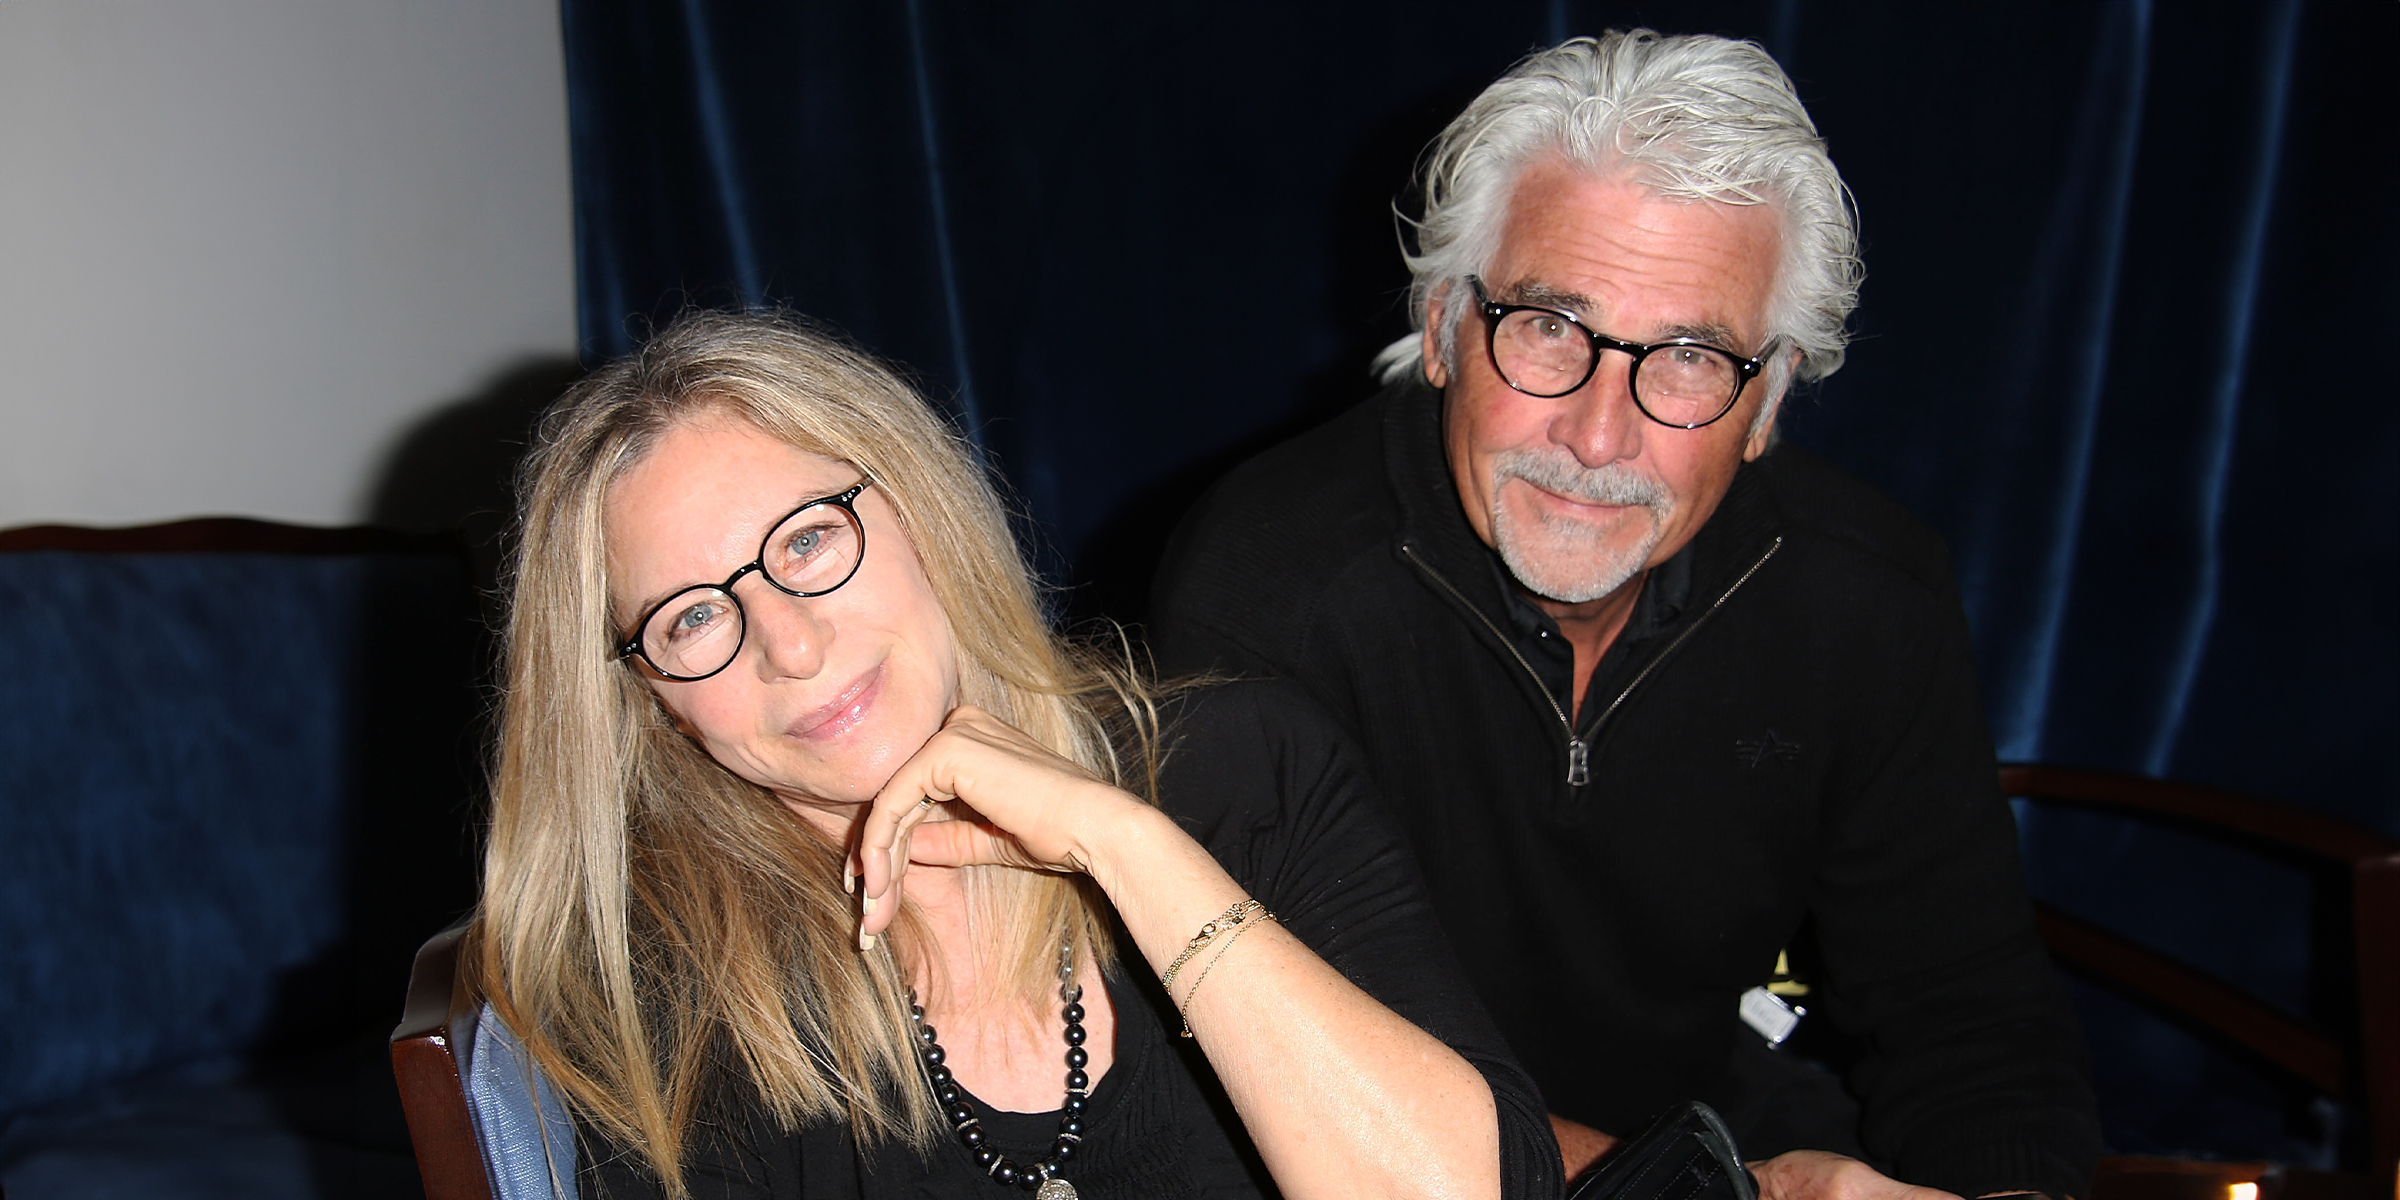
{"x":244,"y":244}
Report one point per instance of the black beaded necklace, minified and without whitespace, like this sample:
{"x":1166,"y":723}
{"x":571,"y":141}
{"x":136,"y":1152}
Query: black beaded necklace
{"x":1041,"y":1178}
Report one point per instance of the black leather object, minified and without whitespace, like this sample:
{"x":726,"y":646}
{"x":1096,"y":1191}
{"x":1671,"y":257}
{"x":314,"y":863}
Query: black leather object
{"x":1685,"y":1154}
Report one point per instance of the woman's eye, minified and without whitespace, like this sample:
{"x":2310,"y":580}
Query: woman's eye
{"x":693,"y":620}
{"x":809,"y":541}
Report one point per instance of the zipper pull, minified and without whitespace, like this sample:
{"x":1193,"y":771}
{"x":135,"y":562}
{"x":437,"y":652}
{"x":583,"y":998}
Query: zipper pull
{"x":1579,"y":762}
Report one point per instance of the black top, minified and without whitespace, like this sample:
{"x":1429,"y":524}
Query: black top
{"x":1790,"y":737}
{"x":1258,"y":775}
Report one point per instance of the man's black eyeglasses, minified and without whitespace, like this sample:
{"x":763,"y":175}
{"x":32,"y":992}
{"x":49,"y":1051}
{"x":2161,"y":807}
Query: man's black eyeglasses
{"x":696,"y":632}
{"x":1683,"y":382}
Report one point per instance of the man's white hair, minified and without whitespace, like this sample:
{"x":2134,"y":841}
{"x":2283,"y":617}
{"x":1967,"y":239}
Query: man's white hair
{"x":1698,"y":117}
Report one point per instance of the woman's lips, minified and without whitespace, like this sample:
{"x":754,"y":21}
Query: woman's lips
{"x":845,"y":711}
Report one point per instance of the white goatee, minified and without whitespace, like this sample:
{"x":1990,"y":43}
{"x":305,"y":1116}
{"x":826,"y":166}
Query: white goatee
{"x":1566,"y":559}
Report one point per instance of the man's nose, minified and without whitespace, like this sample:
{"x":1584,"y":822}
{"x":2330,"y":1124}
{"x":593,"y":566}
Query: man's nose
{"x":1599,"y":422}
{"x":787,"y":632}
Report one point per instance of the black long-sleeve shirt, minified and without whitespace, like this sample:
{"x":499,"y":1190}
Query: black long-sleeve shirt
{"x":1264,"y":780}
{"x":1787,"y":734}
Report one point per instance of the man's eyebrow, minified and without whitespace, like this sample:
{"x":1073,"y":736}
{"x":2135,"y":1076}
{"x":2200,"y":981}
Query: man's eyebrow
{"x":1710,"y":332}
{"x":1580,"y":307}
{"x":1582,"y":310}
{"x":1542,"y":295}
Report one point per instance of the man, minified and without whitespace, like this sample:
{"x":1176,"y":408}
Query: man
{"x":1654,"y":699}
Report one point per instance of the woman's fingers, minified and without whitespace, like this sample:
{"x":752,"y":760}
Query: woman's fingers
{"x":934,"y":840}
{"x":882,"y":836}
{"x":1033,"y":809}
{"x":965,"y":843}
{"x":883,"y":856}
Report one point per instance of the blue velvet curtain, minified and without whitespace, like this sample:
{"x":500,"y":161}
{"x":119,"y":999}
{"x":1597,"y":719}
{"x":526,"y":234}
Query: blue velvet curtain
{"x":1133,"y":243}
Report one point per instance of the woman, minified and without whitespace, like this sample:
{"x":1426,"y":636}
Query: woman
{"x":818,"y":883}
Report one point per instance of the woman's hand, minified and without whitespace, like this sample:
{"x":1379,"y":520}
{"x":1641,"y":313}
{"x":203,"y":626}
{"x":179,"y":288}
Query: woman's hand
{"x":1034,"y":809}
{"x":1342,"y":1096}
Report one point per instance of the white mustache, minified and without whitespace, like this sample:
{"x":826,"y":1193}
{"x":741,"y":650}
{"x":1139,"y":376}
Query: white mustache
{"x":1557,"y":471}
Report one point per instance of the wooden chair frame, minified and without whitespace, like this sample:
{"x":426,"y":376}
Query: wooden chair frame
{"x":2371,"y":1076}
{"x":226,"y":535}
{"x":425,"y":1062}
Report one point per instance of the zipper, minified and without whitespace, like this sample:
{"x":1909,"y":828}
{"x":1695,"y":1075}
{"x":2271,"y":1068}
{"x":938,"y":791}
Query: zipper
{"x":1578,"y":756}
{"x":1579,"y":746}
{"x":1575,"y":749}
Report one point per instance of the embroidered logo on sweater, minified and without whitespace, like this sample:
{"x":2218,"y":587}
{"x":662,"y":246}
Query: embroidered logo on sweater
{"x":1770,"y":746}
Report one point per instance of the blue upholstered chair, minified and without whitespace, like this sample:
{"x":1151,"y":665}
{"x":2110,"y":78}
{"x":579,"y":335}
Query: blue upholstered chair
{"x":236,"y":765}
{"x":485,"y":1123}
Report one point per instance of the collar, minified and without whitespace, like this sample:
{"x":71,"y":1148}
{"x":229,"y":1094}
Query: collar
{"x":1666,"y":593}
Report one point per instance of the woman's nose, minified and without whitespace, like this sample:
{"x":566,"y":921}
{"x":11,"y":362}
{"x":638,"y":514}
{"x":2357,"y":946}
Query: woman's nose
{"x":787,"y":632}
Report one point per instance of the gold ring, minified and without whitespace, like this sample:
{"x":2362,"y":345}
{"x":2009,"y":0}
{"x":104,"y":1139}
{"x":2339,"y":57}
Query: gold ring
{"x":924,"y":802}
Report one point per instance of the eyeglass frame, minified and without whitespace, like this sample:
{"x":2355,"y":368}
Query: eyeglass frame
{"x":847,"y":501}
{"x":1493,"y":311}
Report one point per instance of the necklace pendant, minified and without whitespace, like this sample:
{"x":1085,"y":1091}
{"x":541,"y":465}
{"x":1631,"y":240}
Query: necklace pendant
{"x":1055,"y":1188}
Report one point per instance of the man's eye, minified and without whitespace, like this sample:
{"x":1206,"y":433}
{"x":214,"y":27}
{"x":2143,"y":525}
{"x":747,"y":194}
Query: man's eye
{"x":1553,"y":327}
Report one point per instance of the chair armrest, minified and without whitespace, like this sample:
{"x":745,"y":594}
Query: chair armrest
{"x":2210,"y":808}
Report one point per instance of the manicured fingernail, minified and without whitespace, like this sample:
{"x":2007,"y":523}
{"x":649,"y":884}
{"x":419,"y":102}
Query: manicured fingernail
{"x":849,"y":882}
{"x":866,"y":941}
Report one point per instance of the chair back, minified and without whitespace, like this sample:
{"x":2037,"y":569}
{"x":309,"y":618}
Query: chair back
{"x":486,"y":1125}
{"x":235,"y":788}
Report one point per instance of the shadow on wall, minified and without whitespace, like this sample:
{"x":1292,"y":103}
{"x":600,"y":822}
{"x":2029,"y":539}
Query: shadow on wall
{"x":455,"y":471}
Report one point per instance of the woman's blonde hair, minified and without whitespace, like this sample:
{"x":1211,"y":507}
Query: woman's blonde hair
{"x":656,"y":928}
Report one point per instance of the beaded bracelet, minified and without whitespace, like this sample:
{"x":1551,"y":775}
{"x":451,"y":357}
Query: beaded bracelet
{"x":1184,"y":1009}
{"x":1230,"y":918}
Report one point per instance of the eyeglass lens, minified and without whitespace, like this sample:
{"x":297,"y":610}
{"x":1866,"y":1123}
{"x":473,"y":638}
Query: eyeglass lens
{"x":699,"y":630}
{"x":1545,"y":354}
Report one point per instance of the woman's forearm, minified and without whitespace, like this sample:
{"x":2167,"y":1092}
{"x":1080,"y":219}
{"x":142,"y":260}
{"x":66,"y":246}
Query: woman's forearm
{"x":1342,"y":1096}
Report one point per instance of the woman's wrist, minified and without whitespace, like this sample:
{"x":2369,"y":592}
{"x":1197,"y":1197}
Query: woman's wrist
{"x":1124,"y":841}
{"x":1162,"y":883}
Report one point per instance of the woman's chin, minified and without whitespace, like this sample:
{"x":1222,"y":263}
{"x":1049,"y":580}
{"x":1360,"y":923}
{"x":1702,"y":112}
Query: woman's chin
{"x":846,"y":784}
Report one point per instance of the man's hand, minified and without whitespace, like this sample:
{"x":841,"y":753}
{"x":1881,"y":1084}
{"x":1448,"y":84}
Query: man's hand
{"x":1821,"y":1175}
{"x":1579,"y":1146}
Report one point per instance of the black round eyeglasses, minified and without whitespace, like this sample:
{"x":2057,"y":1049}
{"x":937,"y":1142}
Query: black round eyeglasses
{"x":1682,"y":382}
{"x":696,"y":632}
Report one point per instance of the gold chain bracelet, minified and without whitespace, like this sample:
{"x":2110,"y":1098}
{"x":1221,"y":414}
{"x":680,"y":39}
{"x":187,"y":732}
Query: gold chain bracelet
{"x":1231,"y":918}
{"x":1184,"y":1009}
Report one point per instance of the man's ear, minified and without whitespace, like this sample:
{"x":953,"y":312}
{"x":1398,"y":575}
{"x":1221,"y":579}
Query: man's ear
{"x":1437,"y":372}
{"x":1764,"y":435}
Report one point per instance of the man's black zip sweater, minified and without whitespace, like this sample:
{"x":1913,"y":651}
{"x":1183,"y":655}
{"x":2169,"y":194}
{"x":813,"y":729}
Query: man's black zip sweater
{"x":1793,"y":739}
